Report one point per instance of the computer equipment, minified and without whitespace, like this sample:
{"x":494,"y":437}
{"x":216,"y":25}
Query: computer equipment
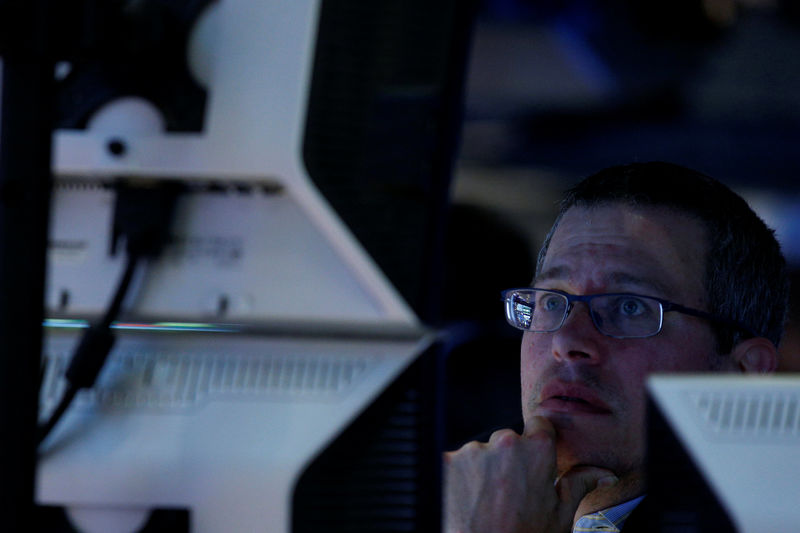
{"x":267,"y":374}
{"x":723,"y":452}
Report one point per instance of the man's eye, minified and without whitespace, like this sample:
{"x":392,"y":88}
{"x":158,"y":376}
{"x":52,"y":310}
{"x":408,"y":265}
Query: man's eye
{"x":631,"y":307}
{"x":551,"y":303}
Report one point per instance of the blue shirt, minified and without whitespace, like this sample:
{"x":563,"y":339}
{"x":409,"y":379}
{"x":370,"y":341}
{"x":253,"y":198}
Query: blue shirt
{"x":607,"y":520}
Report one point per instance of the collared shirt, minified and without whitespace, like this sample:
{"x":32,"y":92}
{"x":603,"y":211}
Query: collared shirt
{"x":608,"y":520}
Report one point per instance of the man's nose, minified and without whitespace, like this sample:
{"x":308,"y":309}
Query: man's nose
{"x":577,"y":338}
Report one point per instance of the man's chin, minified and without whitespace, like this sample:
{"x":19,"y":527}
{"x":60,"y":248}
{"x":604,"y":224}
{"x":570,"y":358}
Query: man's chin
{"x":582,"y":442}
{"x":588,"y":423}
{"x":572,"y":454}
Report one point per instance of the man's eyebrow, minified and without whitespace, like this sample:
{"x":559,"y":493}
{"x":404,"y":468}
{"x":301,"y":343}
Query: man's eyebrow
{"x":561,"y":272}
{"x":557,"y":272}
{"x":626,"y":278}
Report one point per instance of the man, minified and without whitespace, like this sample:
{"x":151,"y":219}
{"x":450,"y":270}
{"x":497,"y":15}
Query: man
{"x":649,"y":267}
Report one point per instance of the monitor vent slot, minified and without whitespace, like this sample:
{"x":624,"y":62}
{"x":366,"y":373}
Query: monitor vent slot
{"x":167,"y":380}
{"x":765,"y":414}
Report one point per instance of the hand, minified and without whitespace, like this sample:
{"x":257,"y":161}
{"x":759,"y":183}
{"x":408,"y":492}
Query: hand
{"x":508,"y":485}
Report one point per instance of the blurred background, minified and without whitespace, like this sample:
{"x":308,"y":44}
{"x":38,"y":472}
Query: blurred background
{"x":557,"y":90}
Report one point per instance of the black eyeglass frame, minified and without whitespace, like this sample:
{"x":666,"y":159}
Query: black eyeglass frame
{"x":666,"y":306}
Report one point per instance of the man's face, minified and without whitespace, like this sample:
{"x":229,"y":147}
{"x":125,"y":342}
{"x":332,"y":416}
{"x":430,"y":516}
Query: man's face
{"x":590,"y":386}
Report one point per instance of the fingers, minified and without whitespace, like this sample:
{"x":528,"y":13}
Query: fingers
{"x":502,"y":437}
{"x":505,"y":484}
{"x":509,"y":483}
{"x":537,"y":425}
{"x":540,"y":439}
{"x":575,"y":484}
{"x":490,"y":487}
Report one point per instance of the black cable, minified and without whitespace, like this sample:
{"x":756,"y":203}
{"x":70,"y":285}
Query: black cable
{"x":63,"y":404}
{"x":91,"y":353}
{"x":143,"y":214}
{"x":122,"y":289}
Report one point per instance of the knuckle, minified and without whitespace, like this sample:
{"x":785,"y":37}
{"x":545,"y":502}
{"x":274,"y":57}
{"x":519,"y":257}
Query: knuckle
{"x":470,"y":447}
{"x":540,"y":437}
{"x":504,"y":438}
{"x":540,"y":430}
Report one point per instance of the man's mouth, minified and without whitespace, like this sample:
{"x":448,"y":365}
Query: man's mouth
{"x":566,"y":398}
{"x":570,"y":399}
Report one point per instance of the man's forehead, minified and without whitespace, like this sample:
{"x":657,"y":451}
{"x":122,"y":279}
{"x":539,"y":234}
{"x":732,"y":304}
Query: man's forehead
{"x":620,"y":244}
{"x":626,"y":220}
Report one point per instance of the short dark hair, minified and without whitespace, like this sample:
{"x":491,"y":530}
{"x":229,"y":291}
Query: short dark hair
{"x":745,"y":279}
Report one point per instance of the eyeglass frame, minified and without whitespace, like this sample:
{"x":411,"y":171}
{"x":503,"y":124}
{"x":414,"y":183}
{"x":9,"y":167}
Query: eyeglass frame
{"x":666,"y":306}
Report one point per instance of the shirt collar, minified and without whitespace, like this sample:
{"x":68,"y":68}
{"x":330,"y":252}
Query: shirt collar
{"x":608,"y":520}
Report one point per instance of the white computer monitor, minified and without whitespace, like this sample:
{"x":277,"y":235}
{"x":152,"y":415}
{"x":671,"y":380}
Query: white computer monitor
{"x":724,"y":450}
{"x":264,"y":335}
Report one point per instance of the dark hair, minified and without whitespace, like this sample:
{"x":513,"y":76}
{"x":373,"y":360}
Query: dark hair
{"x":745,"y":273}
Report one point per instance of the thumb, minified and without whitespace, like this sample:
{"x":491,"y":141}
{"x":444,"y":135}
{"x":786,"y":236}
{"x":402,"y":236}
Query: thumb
{"x":575,"y":484}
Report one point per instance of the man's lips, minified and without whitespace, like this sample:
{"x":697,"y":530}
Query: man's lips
{"x":572,"y":398}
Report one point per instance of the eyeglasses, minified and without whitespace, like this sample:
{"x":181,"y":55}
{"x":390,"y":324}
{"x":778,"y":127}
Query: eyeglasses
{"x":617,"y":315}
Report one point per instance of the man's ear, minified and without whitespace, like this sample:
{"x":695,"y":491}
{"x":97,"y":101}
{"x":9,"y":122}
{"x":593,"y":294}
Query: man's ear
{"x":757,"y":355}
